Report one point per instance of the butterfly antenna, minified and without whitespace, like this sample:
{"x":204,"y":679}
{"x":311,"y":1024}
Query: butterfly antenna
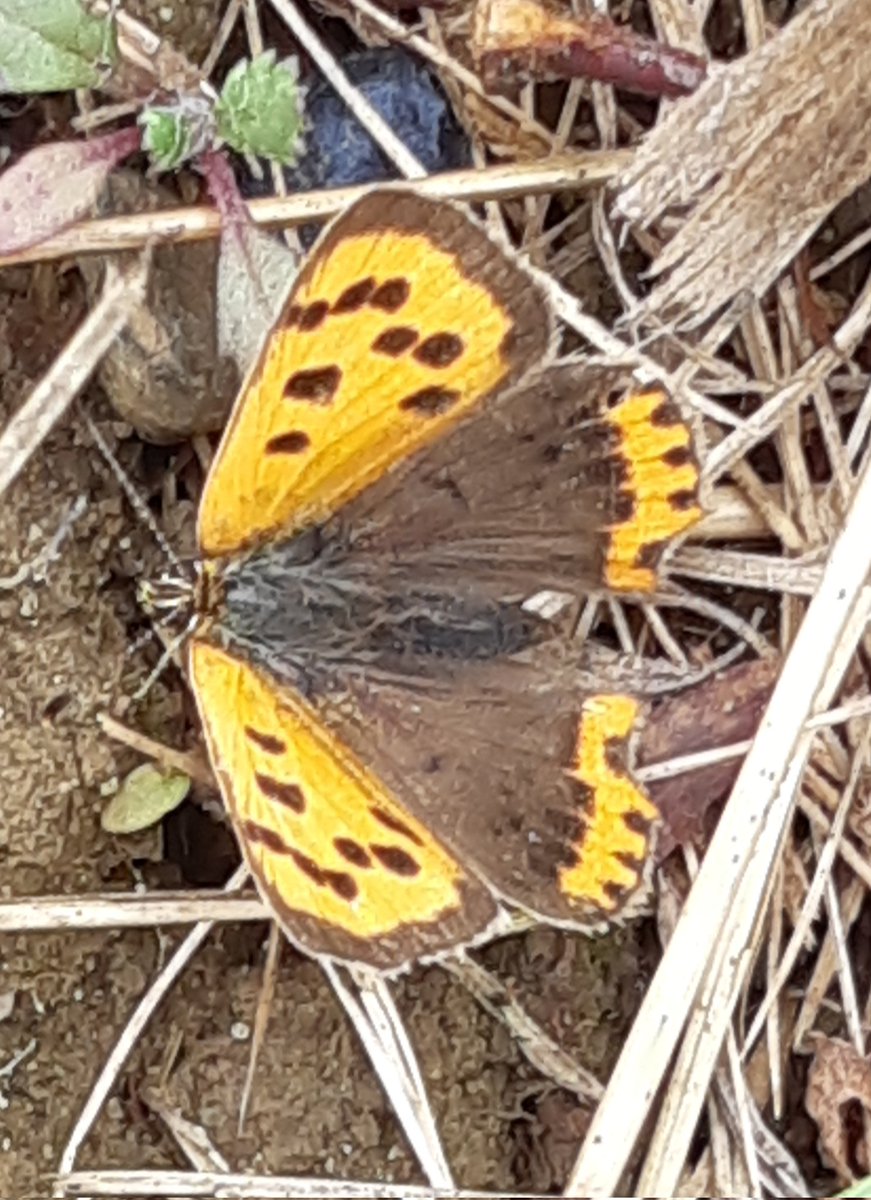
{"x":135,"y":646}
{"x":165,"y":659}
{"x":139,"y":506}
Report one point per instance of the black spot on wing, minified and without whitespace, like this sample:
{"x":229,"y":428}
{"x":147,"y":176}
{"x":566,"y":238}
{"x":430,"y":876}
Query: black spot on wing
{"x":395,"y":341}
{"x":394,"y":824}
{"x":430,"y":401}
{"x":259,"y":835}
{"x":391,"y":295}
{"x":339,"y":882}
{"x":439,"y":350}
{"x":313,"y":315}
{"x":352,"y":851}
{"x":266,"y":741}
{"x":355,"y":296}
{"x":317,"y":385}
{"x":396,"y":860}
{"x":683,"y":500}
{"x":292,"y":442}
{"x":288,"y":794}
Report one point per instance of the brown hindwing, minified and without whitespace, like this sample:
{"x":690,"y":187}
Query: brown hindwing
{"x":551,"y":485}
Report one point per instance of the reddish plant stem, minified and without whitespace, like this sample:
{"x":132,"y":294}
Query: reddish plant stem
{"x":520,"y":40}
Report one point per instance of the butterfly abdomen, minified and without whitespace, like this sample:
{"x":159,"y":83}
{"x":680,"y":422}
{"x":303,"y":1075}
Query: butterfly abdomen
{"x":312,"y":612}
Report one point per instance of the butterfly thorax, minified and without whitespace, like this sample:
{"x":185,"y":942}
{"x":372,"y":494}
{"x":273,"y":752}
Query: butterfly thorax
{"x":177,"y":599}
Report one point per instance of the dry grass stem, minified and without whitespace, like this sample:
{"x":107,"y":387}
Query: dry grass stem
{"x":825,"y":967}
{"x":366,"y":114}
{"x":770,"y":574}
{"x":147,"y":61}
{"x":369,"y":1004}
{"x":120,"y":910}
{"x":541,"y":1050}
{"x":568,"y":172}
{"x":812,"y":899}
{"x":811,"y":375}
{"x":437,"y":57}
{"x":57,"y":389}
{"x":261,"y":1017}
{"x":191,"y":764}
{"x":191,"y":1139}
{"x":235,"y":1185}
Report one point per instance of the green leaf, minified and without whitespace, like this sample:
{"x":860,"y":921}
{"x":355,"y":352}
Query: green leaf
{"x":147,"y":794}
{"x":259,"y":110}
{"x":173,"y":134}
{"x":51,"y":45}
{"x":862,"y":1187}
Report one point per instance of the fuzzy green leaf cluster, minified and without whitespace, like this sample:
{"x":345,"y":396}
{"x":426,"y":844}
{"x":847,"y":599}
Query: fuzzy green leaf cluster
{"x":174,"y":134}
{"x":259,"y":110}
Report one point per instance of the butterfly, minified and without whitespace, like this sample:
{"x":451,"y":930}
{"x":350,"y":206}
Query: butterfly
{"x":402,"y":742}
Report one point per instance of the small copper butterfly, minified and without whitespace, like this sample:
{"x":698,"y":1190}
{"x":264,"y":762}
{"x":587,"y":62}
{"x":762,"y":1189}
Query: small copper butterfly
{"x":402,"y":744}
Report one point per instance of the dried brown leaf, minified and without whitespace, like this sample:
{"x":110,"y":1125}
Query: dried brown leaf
{"x":837,"y":1075}
{"x":717,"y":712}
{"x":56,"y":184}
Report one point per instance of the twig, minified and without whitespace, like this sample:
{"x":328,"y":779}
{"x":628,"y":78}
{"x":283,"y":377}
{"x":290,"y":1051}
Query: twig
{"x":126,"y":911}
{"x":189,"y":763}
{"x":57,"y":389}
{"x":570,"y":172}
{"x":811,"y":903}
{"x":191,"y":1139}
{"x":519,"y":40}
{"x":265,"y":997}
{"x":401,"y":34}
{"x":529,"y":1037}
{"x":379,"y":1027}
{"x":215,"y":1185}
{"x":366,"y":114}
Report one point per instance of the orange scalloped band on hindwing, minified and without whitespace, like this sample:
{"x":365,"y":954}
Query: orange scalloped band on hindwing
{"x":659,"y":488}
{"x":346,"y":869}
{"x":616,"y":823}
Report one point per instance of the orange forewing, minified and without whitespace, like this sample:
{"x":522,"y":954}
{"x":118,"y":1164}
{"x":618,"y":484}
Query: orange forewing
{"x":339,"y":859}
{"x":406,"y":317}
